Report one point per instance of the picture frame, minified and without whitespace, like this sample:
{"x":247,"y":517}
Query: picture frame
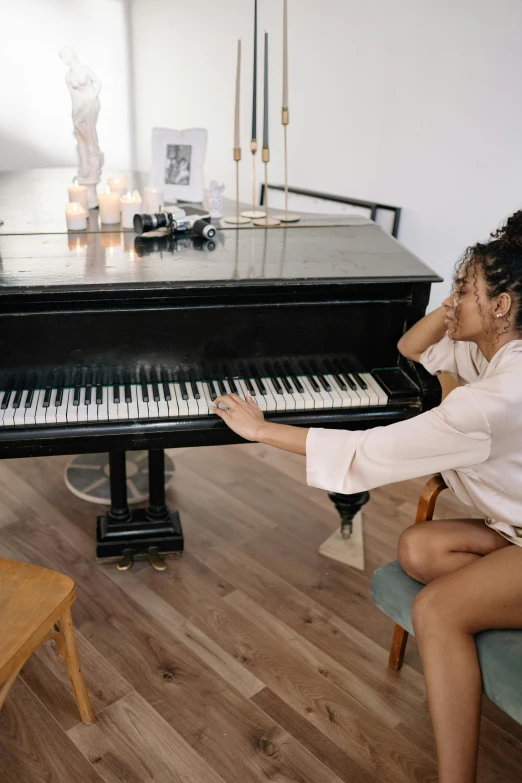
{"x":177,"y":163}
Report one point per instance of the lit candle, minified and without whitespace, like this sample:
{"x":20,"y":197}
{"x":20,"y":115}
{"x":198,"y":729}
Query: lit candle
{"x":78,"y":193}
{"x":285,"y":58}
{"x":130,"y":206}
{"x":238,"y":75}
{"x":76,"y":216}
{"x":118,"y":184}
{"x":265,"y":116}
{"x":254,"y":90}
{"x":153,"y":200}
{"x":109,"y":203}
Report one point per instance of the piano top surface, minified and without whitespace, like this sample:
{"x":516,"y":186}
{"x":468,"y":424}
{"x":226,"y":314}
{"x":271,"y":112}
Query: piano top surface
{"x":38,"y":255}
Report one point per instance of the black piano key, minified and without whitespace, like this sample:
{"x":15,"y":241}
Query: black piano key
{"x":166,"y":391}
{"x":29,"y":398}
{"x":277,"y":386}
{"x":116,"y":392}
{"x":339,"y":381}
{"x":184,"y":392}
{"x":47,"y":397}
{"x":211,"y":390}
{"x":233,"y":386}
{"x":349,"y":381}
{"x":59,"y":396}
{"x":262,"y":387}
{"x":5,"y":399}
{"x":76,"y":395}
{"x":249,"y":386}
{"x":289,"y":388}
{"x":155,"y":392}
{"x":256,"y":382}
{"x":99,"y":394}
{"x":195,"y":390}
{"x":222,"y":387}
{"x":324,"y":383}
{"x":144,"y":391}
{"x":313,"y":383}
{"x":18,"y":398}
{"x":362,"y":383}
{"x":128,"y":392}
{"x":88,"y":394}
{"x":291,"y":375}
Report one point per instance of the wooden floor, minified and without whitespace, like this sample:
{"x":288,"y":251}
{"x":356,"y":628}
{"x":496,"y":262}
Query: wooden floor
{"x":252,"y":658}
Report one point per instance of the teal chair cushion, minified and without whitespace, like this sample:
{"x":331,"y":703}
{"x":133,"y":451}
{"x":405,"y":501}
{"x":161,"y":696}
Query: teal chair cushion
{"x":499,"y":652}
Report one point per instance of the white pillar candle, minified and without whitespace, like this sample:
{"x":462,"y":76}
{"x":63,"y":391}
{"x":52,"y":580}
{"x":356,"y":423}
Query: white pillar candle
{"x":153,"y":200}
{"x":76,"y":216}
{"x":130,"y":205}
{"x":118,"y":184}
{"x":78,"y":193}
{"x":109,"y":204}
{"x":238,"y":92}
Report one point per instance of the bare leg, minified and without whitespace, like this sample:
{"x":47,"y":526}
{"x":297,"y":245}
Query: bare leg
{"x":484,"y":594}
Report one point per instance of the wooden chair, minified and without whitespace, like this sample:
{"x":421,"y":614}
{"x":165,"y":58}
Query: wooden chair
{"x":35,"y":607}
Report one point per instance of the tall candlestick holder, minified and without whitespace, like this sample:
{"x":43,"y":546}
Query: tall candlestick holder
{"x":266,"y":222}
{"x":254,"y":213}
{"x":286,"y":217}
{"x":237,"y":219}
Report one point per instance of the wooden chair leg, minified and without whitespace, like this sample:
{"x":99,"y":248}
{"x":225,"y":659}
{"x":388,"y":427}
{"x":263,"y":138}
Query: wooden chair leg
{"x":6,"y":686}
{"x":74,"y":668}
{"x":398,"y":648}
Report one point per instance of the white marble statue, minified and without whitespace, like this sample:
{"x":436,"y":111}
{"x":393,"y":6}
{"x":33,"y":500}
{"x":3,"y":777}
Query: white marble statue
{"x":85,"y":88}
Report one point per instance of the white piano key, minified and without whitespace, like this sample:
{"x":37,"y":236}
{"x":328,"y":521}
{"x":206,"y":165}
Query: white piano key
{"x":61,"y":410}
{"x":344,"y":394}
{"x":30,"y":413}
{"x":173,"y":403}
{"x":316,"y":396}
{"x":204,"y":408}
{"x":143,"y":406}
{"x":208,"y":398}
{"x":258,"y":398}
{"x":192,"y":403}
{"x":92,"y":408}
{"x":288,"y":398}
{"x":367,"y":396}
{"x":132,"y":406}
{"x":327,"y":398}
{"x":182,"y":404}
{"x":278,"y":398}
{"x":82,"y":408}
{"x":270,"y":403}
{"x":382,"y":397}
{"x":72,"y":410}
{"x":40,"y":413}
{"x":9,"y":413}
{"x":308,"y":400}
{"x":50,"y":417}
{"x":163,"y":405}
{"x":153,"y":405}
{"x":122,"y":409}
{"x":298,"y":397}
{"x":19,"y":417}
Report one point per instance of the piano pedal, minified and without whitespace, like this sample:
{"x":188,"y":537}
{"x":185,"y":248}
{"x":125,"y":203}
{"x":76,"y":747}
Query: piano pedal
{"x":127,"y":560}
{"x":157,"y":562}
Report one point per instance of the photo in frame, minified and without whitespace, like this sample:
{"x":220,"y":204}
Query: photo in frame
{"x":177,"y":163}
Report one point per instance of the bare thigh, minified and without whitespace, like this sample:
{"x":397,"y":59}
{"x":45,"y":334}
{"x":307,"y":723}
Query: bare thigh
{"x":425,"y":547}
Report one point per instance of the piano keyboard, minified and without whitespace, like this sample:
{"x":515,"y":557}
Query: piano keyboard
{"x":162,"y":399}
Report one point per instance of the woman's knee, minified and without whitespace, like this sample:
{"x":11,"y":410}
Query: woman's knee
{"x":415,"y":551}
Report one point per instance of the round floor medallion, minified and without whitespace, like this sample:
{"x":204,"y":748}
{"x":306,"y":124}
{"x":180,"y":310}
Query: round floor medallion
{"x":87,"y":476}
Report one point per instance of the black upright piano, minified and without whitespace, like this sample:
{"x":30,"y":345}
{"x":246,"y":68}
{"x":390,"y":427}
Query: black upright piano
{"x":111,"y":342}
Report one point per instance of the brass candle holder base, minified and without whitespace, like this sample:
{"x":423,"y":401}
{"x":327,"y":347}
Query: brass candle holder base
{"x":266,"y":221}
{"x":254,"y":213}
{"x":237,"y":219}
{"x":287,"y":217}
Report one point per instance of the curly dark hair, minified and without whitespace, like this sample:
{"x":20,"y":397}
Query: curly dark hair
{"x":500,"y":261}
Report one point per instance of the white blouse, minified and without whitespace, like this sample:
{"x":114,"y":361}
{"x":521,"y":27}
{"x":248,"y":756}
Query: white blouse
{"x":474,"y":438}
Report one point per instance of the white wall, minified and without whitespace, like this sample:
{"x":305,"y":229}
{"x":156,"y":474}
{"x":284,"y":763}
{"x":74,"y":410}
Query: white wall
{"x":410,"y":102}
{"x":35,"y":106}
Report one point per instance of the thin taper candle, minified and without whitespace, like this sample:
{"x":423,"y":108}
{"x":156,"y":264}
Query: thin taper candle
{"x":238,"y":78}
{"x":254,"y":88}
{"x":285,"y":57}
{"x":265,"y":116}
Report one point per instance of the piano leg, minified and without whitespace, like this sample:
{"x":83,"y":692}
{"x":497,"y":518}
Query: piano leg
{"x":140,"y":532}
{"x":348,"y":506}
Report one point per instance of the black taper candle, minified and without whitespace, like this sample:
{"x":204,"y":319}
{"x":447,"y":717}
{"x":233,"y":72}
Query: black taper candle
{"x":254,"y":89}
